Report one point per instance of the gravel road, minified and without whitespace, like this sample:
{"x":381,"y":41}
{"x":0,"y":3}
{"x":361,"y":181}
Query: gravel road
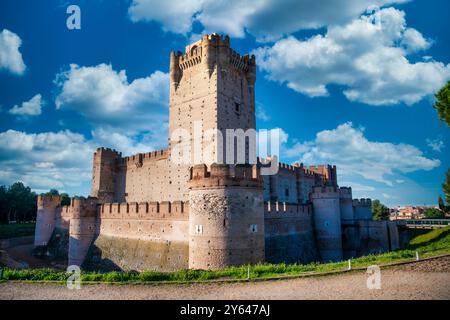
{"x":422,"y":280}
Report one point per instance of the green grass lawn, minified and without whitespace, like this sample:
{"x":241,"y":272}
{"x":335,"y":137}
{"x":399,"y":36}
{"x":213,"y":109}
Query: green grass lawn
{"x":432,"y":243}
{"x":16,"y":230}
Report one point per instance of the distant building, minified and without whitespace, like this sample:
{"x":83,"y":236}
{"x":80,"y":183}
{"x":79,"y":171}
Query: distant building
{"x":409,"y":212}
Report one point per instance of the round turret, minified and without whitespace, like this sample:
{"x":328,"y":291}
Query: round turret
{"x":82,"y":228}
{"x":327,"y":222}
{"x":47,"y":208}
{"x":346,"y":204}
{"x":226,"y":219}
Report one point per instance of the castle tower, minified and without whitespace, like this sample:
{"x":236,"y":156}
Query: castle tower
{"x":47,"y":209}
{"x":362,"y":209}
{"x":211,"y":88}
{"x":226,"y":219}
{"x":327,"y":222}
{"x":346,"y":204}
{"x":82,"y":228}
{"x":104,"y":174}
{"x":350,"y":230}
{"x":328,"y":173}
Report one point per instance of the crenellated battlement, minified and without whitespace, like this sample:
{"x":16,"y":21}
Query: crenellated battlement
{"x":362,"y":202}
{"x":279,"y":209}
{"x":212,"y":50}
{"x":325,"y":190}
{"x":83,"y":207}
{"x":108,"y":152}
{"x":176,"y":210}
{"x":223,"y":175}
{"x":345,"y":192}
{"x":48,"y":201}
{"x":141,"y":158}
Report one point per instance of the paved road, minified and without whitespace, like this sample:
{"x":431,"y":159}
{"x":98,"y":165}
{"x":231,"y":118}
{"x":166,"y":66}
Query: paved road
{"x":423,"y":280}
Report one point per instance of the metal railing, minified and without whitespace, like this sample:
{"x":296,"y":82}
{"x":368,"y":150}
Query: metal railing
{"x":436,"y":223}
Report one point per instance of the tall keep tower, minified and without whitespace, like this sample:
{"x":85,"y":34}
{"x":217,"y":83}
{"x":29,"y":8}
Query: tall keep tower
{"x":211,"y":89}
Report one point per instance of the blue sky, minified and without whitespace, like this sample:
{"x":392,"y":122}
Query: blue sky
{"x":347,"y":85}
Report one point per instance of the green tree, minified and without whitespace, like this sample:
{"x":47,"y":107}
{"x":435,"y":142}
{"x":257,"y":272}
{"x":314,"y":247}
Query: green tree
{"x":379,"y":211}
{"x":21,"y":204}
{"x":52,"y":192}
{"x":65,"y":199}
{"x":4,"y":204}
{"x":441,"y":203}
{"x":446,"y":187}
{"x":432,"y":213}
{"x":442,"y":104}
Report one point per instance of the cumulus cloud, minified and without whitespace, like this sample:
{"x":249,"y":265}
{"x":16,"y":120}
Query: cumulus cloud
{"x":63,"y":160}
{"x":10,"y":56}
{"x":266,"y":20}
{"x":131,"y":144}
{"x":348,"y":148}
{"x":174,"y":16}
{"x":33,"y":107}
{"x":47,"y":160}
{"x":367,"y":56}
{"x":105,"y":96}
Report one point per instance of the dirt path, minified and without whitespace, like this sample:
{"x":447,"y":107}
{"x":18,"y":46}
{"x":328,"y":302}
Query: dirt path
{"x":423,"y":280}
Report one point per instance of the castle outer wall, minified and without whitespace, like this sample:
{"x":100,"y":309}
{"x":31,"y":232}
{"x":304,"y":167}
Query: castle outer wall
{"x":152,"y":211}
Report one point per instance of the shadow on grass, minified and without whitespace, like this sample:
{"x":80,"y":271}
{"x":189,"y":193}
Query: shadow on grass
{"x":437,"y":236}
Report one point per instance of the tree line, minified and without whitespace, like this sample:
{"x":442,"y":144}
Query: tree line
{"x":18,"y":202}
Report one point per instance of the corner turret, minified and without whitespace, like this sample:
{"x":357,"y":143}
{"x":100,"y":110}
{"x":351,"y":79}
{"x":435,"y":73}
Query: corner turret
{"x":82,"y":228}
{"x":226,"y":220}
{"x":327,"y":222}
{"x":104,"y":174}
{"x":47,"y":209}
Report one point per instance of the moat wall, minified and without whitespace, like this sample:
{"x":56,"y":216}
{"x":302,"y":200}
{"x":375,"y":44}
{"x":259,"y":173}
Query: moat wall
{"x":289,"y":233}
{"x":141,"y":236}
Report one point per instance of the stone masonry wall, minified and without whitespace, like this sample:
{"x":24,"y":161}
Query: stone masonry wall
{"x":141,"y":236}
{"x":289,"y":235}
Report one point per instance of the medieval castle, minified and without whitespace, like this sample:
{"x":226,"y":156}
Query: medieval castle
{"x":150,"y":212}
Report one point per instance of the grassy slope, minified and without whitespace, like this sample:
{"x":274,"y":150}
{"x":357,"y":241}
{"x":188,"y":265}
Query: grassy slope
{"x":16,"y":230}
{"x":433,"y":243}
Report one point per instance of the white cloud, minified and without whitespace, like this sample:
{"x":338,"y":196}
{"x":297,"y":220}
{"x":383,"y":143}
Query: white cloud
{"x":348,"y":148}
{"x":131,"y":144}
{"x":261,"y":113}
{"x":267,"y":20}
{"x":45,"y":160}
{"x":105,"y":96}
{"x":175,"y":16}
{"x":10,"y":56}
{"x":436,"y":144}
{"x":63,"y":160}
{"x":368,"y":59}
{"x":357,"y":187}
{"x":33,"y":107}
{"x":414,"y":41}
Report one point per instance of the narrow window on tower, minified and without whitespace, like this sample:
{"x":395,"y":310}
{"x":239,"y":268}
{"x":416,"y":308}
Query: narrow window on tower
{"x":237,"y":107}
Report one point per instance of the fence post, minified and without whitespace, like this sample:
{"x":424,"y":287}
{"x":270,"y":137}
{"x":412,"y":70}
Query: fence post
{"x":349,"y":264}
{"x":417,"y":256}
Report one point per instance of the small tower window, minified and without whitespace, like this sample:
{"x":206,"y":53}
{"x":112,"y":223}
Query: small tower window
{"x":199,"y":229}
{"x":253,"y":228}
{"x":237,"y":107}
